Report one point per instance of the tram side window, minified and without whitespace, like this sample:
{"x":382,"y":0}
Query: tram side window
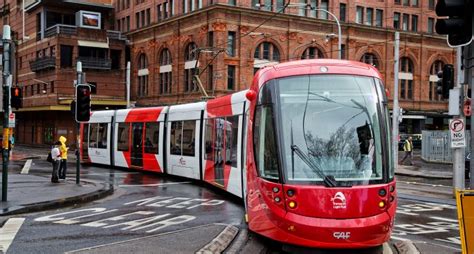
{"x":93,"y":135}
{"x":266,"y":154}
{"x":175,"y":137}
{"x":182,"y":138}
{"x":102,"y":136}
{"x":123,"y":136}
{"x":152,"y":131}
{"x":189,"y":134}
{"x":232,"y":138}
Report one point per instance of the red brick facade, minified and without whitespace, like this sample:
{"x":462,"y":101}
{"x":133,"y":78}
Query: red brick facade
{"x":291,"y":34}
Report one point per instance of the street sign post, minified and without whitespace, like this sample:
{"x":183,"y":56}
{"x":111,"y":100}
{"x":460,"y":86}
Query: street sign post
{"x":11,"y":120}
{"x":457,"y":128}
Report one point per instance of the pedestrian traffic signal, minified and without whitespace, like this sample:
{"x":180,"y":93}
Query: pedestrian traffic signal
{"x":445,"y":81}
{"x":16,"y":97}
{"x":458,"y":25}
{"x":83,"y":103}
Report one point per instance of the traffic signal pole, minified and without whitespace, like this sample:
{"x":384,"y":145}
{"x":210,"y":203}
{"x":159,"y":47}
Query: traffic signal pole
{"x":469,"y":62}
{"x":7,"y":79}
{"x":458,"y":153}
{"x":396,"y":109}
{"x":80,"y":80}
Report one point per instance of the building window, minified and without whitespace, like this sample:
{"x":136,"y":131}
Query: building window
{"x":359,"y":15}
{"x":148,"y":17}
{"x":142,"y":75}
{"x":171,"y":7}
{"x":342,"y":12}
{"x":431,"y":4}
{"x":210,"y":39}
{"x":396,"y":20}
{"x":324,"y":6}
{"x":343,"y":51}
{"x":371,"y":59}
{"x":267,"y":51}
{"x":66,"y":56}
{"x":406,"y":2}
{"x":190,"y":56}
{"x":406,"y":18}
{"x":128,"y":23}
{"x":396,"y":1}
{"x":369,"y":16}
{"x":231,"y":44}
{"x":165,"y":72}
{"x":230,"y":77}
{"x":414,"y":23}
{"x":165,"y":10}
{"x":406,"y":78}
{"x":433,"y":79}
{"x":232,"y":2}
{"x":137,"y":20}
{"x":312,"y":53}
{"x":379,"y":18}
{"x":210,"y":77}
{"x":159,"y":11}
{"x":430,"y":25}
{"x":414,"y":3}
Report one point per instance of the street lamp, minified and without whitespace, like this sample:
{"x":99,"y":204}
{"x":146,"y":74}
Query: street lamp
{"x":332,"y":15}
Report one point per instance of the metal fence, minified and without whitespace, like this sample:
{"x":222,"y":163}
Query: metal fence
{"x":436,"y":146}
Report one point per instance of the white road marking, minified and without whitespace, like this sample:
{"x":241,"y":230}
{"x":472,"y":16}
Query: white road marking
{"x":8,"y":232}
{"x":137,"y":239}
{"x":424,"y":184}
{"x":398,"y":238}
{"x":443,"y":219}
{"x":151,"y":184}
{"x":26,"y":167}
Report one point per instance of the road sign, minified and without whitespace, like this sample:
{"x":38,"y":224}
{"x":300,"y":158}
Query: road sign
{"x":11,"y":120}
{"x":457,"y":127}
{"x":465,"y":205}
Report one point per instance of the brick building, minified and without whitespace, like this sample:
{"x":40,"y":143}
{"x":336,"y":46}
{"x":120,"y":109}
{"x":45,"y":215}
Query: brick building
{"x":55,"y":35}
{"x":235,"y":38}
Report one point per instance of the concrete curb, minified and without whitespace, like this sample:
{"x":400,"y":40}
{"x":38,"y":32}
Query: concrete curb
{"x":406,"y":247}
{"x":59,"y":203}
{"x":220,"y":242}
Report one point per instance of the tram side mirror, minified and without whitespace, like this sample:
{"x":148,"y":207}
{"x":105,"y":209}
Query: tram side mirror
{"x":251,"y":95}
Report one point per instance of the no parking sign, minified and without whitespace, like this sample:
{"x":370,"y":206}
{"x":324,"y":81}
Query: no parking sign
{"x":457,"y":127}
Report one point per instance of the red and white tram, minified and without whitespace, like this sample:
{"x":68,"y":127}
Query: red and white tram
{"x":307,"y":148}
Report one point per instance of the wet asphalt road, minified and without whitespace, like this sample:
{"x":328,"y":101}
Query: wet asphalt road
{"x":145,"y":205}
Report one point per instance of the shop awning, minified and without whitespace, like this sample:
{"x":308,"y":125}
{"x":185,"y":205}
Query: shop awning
{"x":93,"y":44}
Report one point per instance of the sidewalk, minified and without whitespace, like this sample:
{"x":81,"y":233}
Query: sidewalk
{"x":30,"y":193}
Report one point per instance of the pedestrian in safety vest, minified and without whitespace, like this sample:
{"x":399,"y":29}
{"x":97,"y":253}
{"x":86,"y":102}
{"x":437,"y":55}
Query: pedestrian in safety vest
{"x":63,"y":148}
{"x":408,"y":148}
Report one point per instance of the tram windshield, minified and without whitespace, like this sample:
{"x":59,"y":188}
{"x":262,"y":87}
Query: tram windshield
{"x":330,"y":130}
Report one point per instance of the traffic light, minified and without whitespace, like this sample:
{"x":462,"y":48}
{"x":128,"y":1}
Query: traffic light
{"x":445,"y":81}
{"x":458,"y":25}
{"x":83,"y":103}
{"x":16,"y":97}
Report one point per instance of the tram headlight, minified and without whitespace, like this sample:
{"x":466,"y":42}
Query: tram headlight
{"x":382,"y":192}
{"x":292,"y":204}
{"x":382,"y":204}
{"x":290,"y":193}
{"x":392,"y":188}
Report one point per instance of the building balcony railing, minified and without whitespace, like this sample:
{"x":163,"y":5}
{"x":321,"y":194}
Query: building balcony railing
{"x":60,"y":29}
{"x":95,"y":63}
{"x":43,"y":63}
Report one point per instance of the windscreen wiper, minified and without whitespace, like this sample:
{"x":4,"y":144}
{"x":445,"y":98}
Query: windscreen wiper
{"x":329,"y":180}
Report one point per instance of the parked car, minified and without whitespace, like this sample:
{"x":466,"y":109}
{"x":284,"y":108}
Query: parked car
{"x":416,"y":140}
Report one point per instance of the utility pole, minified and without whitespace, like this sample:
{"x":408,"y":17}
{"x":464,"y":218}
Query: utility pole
{"x":469,"y":75}
{"x":458,"y":152}
{"x":395,"y":111}
{"x":7,"y":80}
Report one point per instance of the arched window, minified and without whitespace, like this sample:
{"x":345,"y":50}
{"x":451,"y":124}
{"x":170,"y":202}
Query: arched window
{"x":371,"y":59}
{"x":190,"y":53}
{"x":265,"y":54}
{"x":436,"y":67}
{"x":406,"y":78}
{"x":190,"y":58}
{"x":165,"y":72}
{"x":312,"y":53}
{"x":142,"y":75}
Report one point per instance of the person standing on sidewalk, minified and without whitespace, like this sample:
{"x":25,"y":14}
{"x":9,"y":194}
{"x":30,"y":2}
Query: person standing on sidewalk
{"x":63,"y":148}
{"x":56,"y":156}
{"x":408,"y":148}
